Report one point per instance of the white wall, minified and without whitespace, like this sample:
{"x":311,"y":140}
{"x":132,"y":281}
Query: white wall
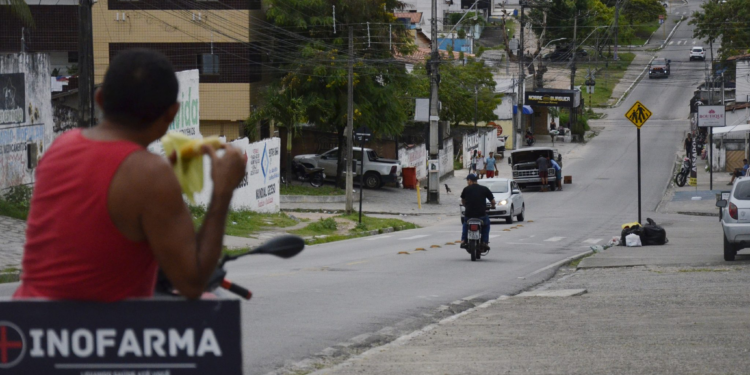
{"x":25,"y":114}
{"x":743,"y":81}
{"x":417,"y":157}
{"x":483,"y":142}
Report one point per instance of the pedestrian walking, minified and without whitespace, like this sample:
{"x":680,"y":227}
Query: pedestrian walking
{"x":481,"y":171}
{"x":491,"y":165}
{"x":473,"y":168}
{"x":552,"y":125}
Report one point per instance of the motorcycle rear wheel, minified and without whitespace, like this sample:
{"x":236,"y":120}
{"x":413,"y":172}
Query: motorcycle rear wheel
{"x":473,"y":250}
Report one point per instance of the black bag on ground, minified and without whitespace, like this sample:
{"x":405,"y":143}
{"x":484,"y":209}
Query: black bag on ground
{"x":653,"y":234}
{"x":634,"y":229}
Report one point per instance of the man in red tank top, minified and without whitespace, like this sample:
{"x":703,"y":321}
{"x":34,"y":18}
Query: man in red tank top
{"x":106,"y":212}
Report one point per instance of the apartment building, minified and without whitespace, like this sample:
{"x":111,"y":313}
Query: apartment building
{"x":220,"y":38}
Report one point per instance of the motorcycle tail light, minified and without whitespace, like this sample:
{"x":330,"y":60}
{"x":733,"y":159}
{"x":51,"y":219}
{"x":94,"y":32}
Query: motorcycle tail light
{"x":473,"y":227}
{"x":733,"y":211}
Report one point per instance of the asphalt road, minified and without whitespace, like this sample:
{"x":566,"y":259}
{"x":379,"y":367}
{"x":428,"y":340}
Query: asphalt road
{"x":334,"y":293}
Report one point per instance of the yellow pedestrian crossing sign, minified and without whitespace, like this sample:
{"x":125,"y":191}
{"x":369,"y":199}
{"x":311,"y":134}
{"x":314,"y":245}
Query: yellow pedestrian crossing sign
{"x":638,"y":114}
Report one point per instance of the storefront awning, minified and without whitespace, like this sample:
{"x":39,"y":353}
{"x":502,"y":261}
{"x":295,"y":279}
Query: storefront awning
{"x":732,"y":129}
{"x":526,"y":110}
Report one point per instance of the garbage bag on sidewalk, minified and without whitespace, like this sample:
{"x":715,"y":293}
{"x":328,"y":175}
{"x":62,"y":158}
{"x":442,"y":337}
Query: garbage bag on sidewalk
{"x":632,"y":240}
{"x":653,"y":234}
{"x":634,"y":229}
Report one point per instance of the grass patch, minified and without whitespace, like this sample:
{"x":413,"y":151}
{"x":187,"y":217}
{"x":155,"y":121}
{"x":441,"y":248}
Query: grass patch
{"x":606,"y":78}
{"x":244,"y":222}
{"x":9,"y":275}
{"x":16,"y":201}
{"x":576,"y":262}
{"x":310,"y":190}
{"x":374,"y":223}
{"x":457,"y":165}
{"x":322,"y":227}
{"x":642,"y":32}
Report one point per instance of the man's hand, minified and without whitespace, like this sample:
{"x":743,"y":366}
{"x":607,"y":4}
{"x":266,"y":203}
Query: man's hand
{"x":228,"y":170}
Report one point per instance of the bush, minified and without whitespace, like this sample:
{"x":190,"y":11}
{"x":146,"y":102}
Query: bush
{"x":19,"y":196}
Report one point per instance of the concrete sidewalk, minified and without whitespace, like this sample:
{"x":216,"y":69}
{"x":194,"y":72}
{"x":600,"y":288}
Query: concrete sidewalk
{"x":681,"y":310}
{"x":695,"y":200}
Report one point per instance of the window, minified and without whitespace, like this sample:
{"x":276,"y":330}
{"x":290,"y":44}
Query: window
{"x":208,"y":64}
{"x":73,"y":56}
{"x":742,"y":191}
{"x":495,"y":186}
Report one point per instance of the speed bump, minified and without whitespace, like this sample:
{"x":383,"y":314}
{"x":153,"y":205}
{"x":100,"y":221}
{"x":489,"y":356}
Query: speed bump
{"x":404,"y":252}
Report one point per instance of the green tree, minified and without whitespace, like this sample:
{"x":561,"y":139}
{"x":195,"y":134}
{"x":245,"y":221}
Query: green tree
{"x":641,"y":11}
{"x":312,"y":62}
{"x":725,"y":21}
{"x":460,"y":86}
{"x":19,"y":9}
{"x":287,"y":110}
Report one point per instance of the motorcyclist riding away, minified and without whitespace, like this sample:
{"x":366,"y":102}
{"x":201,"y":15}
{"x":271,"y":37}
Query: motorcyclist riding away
{"x":474,"y":198}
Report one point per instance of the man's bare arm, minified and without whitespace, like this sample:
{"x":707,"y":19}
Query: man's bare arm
{"x":164,"y":221}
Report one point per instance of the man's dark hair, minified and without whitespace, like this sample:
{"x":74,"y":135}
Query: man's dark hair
{"x":140,"y":85}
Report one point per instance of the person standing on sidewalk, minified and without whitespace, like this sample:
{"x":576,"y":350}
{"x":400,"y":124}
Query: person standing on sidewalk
{"x":491,"y":165}
{"x":473,"y":168}
{"x":689,"y":145}
{"x":106,"y":212}
{"x":481,"y":171}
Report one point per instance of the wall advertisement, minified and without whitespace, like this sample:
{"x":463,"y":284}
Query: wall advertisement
{"x":259,"y":190}
{"x":188,"y":118}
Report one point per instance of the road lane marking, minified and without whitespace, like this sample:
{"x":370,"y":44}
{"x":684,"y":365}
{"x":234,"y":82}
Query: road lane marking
{"x":670,"y":43}
{"x":553,"y":239}
{"x":373,"y":238}
{"x":521,"y":243}
{"x":494,"y":235}
{"x":593,"y":241}
{"x":359,"y":262}
{"x":415,"y":237}
{"x":693,"y":42}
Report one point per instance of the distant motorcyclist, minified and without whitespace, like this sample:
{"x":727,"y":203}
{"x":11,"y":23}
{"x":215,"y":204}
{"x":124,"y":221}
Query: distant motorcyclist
{"x":474,"y":197}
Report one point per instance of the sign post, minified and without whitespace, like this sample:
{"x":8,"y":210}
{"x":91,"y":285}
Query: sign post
{"x":362,"y":135}
{"x":711,"y":116}
{"x":638,"y":114}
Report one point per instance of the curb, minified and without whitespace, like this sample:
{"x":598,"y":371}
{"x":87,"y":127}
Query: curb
{"x":672,"y":32}
{"x":697,"y":213}
{"x":316,"y":198}
{"x":10,"y":277}
{"x":638,"y":79}
{"x":368,"y":233}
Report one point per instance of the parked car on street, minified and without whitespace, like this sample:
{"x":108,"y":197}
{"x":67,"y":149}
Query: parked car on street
{"x":378,"y":171}
{"x":659,"y":68}
{"x":508,"y":199}
{"x":698,"y":53}
{"x":735,"y":218}
{"x":525,"y":171}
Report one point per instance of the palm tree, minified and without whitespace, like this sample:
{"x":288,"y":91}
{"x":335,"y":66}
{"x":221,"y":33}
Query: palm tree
{"x":19,"y":9}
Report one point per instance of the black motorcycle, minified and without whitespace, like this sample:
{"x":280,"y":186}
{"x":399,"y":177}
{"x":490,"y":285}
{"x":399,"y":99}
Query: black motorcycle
{"x":308,"y":173}
{"x":682,"y":175}
{"x":530,"y":139}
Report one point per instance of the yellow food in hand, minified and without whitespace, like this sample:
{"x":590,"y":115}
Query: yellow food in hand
{"x":193,"y":147}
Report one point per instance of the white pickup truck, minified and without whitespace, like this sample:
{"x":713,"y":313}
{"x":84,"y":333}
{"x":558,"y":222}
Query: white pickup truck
{"x":378,"y":171}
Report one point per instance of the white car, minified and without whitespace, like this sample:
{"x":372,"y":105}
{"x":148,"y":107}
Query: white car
{"x":697,"y":53}
{"x":735,"y":218}
{"x":508,"y":199}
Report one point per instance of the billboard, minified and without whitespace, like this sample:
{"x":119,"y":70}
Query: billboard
{"x":711,"y":116}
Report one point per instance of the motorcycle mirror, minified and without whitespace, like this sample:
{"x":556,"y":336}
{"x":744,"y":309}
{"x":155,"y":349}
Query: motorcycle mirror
{"x":282,"y":246}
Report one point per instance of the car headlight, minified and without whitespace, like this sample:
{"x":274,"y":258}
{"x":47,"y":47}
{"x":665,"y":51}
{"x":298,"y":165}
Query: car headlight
{"x":503,"y":202}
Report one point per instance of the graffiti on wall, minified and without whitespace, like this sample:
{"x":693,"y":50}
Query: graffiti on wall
{"x":64,"y":117}
{"x":12,"y":99}
{"x":25,"y":116}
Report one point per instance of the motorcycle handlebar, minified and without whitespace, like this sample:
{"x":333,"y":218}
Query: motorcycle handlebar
{"x":236,"y":289}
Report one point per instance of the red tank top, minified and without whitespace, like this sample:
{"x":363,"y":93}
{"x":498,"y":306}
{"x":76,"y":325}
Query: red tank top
{"x":73,"y":249}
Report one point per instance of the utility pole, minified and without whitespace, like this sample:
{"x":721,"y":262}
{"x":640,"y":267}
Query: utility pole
{"x":617,"y":16}
{"x":85,"y":65}
{"x":476,"y":105}
{"x":573,"y":54}
{"x":350,"y":127}
{"x":521,"y":78}
{"x":433,"y":180}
